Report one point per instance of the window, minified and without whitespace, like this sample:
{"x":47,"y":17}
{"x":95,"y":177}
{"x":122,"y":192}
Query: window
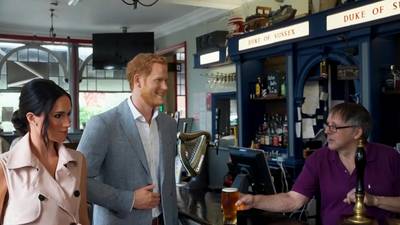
{"x":93,"y":103}
{"x":99,"y":90}
{"x":23,"y":63}
{"x":8,"y":103}
{"x":181,"y":84}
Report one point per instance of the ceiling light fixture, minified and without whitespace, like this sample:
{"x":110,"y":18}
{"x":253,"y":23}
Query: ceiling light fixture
{"x":52,"y":34}
{"x":134,"y":3}
{"x":73,"y":2}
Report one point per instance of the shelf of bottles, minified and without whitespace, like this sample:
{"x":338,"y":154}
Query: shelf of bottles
{"x":273,"y":131}
{"x":268,"y":94}
{"x":271,"y":86}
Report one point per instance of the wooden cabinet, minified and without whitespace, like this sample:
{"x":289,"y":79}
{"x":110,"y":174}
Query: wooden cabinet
{"x":267,"y":98}
{"x":365,"y":47}
{"x":385,"y":93}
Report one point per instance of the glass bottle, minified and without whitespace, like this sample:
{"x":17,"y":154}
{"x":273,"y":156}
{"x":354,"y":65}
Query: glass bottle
{"x":258,"y":87}
{"x":283,"y":87}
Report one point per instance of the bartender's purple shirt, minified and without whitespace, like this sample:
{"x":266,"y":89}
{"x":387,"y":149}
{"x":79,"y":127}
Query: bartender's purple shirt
{"x":324,"y":173}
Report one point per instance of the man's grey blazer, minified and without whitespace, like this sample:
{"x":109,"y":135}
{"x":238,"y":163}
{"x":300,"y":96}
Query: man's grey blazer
{"x":117,"y":166}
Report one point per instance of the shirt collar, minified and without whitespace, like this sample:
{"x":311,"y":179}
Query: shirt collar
{"x":138,"y":115}
{"x":22,"y":156}
{"x":370,"y":155}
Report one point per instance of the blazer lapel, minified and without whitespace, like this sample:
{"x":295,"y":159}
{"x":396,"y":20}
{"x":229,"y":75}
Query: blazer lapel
{"x":132,"y":133}
{"x":163,"y":144}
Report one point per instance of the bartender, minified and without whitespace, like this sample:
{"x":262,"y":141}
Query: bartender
{"x":330,"y":171}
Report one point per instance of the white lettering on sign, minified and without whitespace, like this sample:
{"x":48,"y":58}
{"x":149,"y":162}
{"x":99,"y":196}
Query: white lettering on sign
{"x":274,"y":36}
{"x":363,"y":14}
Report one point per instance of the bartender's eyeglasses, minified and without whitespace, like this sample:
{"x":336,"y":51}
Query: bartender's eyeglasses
{"x":333,"y":128}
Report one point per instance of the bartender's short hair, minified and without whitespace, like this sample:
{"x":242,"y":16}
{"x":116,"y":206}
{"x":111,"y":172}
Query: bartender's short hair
{"x":354,"y":114}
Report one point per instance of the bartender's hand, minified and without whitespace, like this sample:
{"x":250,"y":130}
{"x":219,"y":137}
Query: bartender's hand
{"x":369,"y":200}
{"x":245,"y":202}
{"x":145,"y":198}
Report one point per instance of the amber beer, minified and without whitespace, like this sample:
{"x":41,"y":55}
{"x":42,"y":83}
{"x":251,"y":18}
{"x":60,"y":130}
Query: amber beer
{"x":229,"y":197}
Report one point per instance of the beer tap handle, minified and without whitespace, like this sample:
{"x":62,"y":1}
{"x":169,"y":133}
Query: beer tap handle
{"x":217,"y":137}
{"x":184,"y":127}
{"x":176,"y":116}
{"x":359,"y":216}
{"x":360,"y":161}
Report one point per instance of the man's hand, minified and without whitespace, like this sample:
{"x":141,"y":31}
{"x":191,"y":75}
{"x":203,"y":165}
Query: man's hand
{"x":245,"y":202}
{"x":369,"y":200}
{"x":145,"y":198}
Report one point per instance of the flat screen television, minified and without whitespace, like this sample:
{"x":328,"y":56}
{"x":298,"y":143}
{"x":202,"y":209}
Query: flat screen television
{"x":250,"y":166}
{"x":115,"y":50}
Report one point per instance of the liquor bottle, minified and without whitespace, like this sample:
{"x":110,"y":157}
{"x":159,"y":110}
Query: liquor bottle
{"x":259,"y":136}
{"x":252,"y":91}
{"x":323,"y":69}
{"x":274,"y":134}
{"x":283,"y":87}
{"x":267,"y":137}
{"x":279,"y":129}
{"x":285,"y":132}
{"x":265,"y":124}
{"x":264,"y":89}
{"x":278,"y":121}
{"x":258,"y":87}
{"x":265,"y":129}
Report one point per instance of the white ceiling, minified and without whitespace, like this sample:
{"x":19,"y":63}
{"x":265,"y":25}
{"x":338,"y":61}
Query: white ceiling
{"x":32,"y":17}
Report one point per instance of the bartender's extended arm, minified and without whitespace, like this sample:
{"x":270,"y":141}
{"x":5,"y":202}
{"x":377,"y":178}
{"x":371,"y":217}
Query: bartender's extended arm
{"x":282,"y":202}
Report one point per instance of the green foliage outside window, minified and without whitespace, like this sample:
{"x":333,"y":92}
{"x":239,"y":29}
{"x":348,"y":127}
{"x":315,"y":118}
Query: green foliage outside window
{"x":85,"y":113}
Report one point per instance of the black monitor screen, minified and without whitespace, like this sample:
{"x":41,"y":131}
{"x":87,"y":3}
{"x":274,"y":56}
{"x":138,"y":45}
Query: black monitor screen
{"x":115,"y":50}
{"x":253,"y":164}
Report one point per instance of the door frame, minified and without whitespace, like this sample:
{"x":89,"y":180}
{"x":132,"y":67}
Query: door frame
{"x":173,"y":49}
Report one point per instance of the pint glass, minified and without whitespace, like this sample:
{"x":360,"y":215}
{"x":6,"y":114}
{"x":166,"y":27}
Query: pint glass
{"x":229,"y":197}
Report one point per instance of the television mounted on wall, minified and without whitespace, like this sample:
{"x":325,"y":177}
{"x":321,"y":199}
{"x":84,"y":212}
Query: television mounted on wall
{"x":115,"y":50}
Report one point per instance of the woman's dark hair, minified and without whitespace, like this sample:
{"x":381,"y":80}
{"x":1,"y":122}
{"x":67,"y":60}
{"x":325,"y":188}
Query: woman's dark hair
{"x":19,"y":124}
{"x":38,"y":97}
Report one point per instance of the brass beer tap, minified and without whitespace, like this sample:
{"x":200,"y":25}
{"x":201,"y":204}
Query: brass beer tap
{"x":359,"y":216}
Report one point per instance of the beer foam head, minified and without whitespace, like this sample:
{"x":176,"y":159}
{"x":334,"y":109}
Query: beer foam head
{"x":230,"y":189}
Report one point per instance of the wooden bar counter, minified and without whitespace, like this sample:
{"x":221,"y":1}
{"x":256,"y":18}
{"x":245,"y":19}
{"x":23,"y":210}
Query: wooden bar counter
{"x":203,"y":207}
